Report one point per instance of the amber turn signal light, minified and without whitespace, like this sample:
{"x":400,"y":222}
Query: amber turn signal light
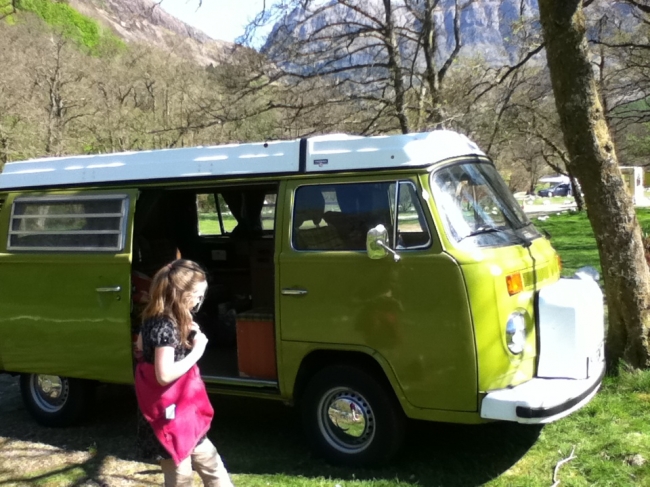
{"x":514,"y":283}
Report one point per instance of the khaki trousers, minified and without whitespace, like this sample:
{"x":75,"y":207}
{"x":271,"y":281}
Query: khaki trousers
{"x":207,"y":463}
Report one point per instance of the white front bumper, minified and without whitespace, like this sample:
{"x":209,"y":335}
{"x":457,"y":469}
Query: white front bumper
{"x":542,"y":400}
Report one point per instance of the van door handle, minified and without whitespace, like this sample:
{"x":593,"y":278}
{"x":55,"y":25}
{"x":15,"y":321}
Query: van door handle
{"x":292,"y":291}
{"x":112,"y":289}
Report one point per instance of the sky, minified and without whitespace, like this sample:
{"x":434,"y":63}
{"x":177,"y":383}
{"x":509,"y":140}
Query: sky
{"x":220,"y":19}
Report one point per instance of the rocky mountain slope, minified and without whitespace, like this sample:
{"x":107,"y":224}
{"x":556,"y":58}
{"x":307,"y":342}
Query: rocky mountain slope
{"x":489,"y":28}
{"x":144,"y":21}
{"x":486,"y":25}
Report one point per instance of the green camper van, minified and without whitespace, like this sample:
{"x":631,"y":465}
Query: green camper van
{"x":363,"y":280}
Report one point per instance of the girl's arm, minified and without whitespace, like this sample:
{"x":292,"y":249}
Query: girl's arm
{"x":167,"y":370}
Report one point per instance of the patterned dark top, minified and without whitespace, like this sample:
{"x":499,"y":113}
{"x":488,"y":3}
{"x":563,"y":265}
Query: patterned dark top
{"x":161,"y":332}
{"x":156,"y":332}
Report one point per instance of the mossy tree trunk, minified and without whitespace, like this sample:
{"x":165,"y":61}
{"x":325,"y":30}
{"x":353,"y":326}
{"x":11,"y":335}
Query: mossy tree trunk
{"x":593,"y":161}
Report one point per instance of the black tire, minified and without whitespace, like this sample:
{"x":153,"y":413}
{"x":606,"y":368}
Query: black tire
{"x":55,"y":401}
{"x":368,"y":436}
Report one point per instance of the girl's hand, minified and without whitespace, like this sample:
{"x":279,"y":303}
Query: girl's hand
{"x":199,"y":342}
{"x":194,"y":329}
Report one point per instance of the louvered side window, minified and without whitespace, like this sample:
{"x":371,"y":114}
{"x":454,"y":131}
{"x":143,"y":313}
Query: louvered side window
{"x":80,"y":223}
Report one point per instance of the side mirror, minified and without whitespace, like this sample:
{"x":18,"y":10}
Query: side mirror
{"x":376,"y":243}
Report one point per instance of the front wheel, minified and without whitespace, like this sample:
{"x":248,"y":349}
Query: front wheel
{"x":351,"y":417}
{"x":53,"y":400}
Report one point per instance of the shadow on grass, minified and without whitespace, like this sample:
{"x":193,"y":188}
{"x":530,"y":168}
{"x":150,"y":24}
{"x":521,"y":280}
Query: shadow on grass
{"x":264,"y":438}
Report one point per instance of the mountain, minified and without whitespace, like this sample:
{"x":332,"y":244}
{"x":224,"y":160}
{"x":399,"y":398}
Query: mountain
{"x":489,"y":28}
{"x":146,"y":22}
{"x":486,"y":25}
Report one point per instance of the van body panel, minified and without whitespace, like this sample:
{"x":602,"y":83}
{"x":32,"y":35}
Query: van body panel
{"x":498,"y":367}
{"x":414,"y":313}
{"x":492,"y":305}
{"x":294,"y":354}
{"x":54,"y":318}
{"x":485,"y":270}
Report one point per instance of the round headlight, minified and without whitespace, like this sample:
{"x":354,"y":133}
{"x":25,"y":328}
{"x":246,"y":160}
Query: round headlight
{"x":516,"y":332}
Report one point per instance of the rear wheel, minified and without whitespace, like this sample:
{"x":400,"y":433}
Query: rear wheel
{"x":54,"y":400}
{"x":350,"y":417}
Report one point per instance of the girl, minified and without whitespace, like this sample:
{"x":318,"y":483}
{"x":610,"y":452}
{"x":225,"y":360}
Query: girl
{"x":176,"y":412}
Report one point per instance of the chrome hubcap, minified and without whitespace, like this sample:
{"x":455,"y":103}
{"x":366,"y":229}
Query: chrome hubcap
{"x":346,"y":420}
{"x":50,"y":392}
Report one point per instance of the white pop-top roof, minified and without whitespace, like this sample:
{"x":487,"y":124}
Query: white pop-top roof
{"x":327,"y":153}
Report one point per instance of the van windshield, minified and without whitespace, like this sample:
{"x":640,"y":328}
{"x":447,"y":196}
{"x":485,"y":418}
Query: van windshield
{"x":477,"y":207}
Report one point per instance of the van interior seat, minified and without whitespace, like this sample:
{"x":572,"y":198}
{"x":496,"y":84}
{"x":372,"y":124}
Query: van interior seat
{"x":348,"y":225}
{"x":310,"y":206}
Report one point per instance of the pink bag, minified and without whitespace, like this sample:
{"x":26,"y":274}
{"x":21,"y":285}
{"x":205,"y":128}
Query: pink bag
{"x":179,"y":413}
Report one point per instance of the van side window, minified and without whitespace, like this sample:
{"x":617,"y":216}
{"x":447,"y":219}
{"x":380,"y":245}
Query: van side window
{"x":338,"y":216}
{"x":412,"y":230}
{"x":64,"y":223}
{"x":222,"y":219}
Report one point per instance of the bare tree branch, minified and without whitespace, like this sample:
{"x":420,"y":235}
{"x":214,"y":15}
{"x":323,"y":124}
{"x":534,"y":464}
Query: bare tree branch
{"x":510,"y":70}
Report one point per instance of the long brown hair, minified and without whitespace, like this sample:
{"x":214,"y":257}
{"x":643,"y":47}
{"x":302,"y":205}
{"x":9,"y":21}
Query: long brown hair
{"x":170,"y":295}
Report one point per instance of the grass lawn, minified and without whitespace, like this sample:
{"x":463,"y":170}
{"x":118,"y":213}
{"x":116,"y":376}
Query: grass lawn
{"x":262,"y":444}
{"x":209,"y":223}
{"x":572,"y":237}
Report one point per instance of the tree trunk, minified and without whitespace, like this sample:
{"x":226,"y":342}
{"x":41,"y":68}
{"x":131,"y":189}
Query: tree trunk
{"x":593,"y":161}
{"x":394,"y":65}
{"x":576,"y":192}
{"x":4,"y":151}
{"x":429,"y":49}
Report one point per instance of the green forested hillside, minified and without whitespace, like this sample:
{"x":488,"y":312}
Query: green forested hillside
{"x":82,"y":30}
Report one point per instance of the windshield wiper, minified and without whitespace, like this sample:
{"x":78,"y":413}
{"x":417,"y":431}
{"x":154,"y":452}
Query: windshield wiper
{"x":482,"y":231}
{"x":521,"y":225}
